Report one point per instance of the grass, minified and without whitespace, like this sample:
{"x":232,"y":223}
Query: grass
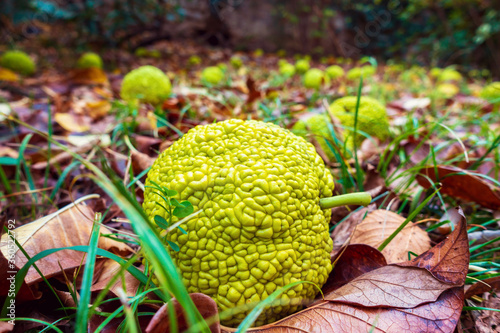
{"x":441,"y":126}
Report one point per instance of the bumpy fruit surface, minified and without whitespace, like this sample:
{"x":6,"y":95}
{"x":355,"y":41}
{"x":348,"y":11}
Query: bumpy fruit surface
{"x":491,"y":92}
{"x":315,"y":78}
{"x":18,"y":62}
{"x":212,"y":75}
{"x":147,"y":84}
{"x":372,"y":118}
{"x":317,"y":125}
{"x":258,"y":187}
{"x":89,"y":60}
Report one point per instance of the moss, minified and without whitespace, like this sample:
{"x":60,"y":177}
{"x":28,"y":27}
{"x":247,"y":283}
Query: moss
{"x":146,"y":84}
{"x":89,"y":60}
{"x":18,"y":62}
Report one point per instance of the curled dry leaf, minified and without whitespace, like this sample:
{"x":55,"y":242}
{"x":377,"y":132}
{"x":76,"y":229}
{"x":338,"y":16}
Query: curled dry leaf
{"x":109,"y":270}
{"x":461,"y":184}
{"x":352,"y":261}
{"x":69,"y":226}
{"x":483,"y":286}
{"x":422,"y":295}
{"x":160,"y":323}
{"x":380,"y":224}
{"x":448,"y":261}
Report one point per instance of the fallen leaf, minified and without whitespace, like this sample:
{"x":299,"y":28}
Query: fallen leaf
{"x":344,"y":230}
{"x":71,"y":122}
{"x":85,"y":76}
{"x":461,"y":184}
{"x":109,"y":270}
{"x":380,"y":224}
{"x":448,"y":261}
{"x":353,"y":261}
{"x":483,"y":286}
{"x":160,"y":323}
{"x":69,"y":226}
{"x":98,"y":109}
{"x":439,"y":316}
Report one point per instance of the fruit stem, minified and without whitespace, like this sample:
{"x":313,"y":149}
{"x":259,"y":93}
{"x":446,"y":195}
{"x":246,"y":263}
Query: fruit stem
{"x":359,"y":198}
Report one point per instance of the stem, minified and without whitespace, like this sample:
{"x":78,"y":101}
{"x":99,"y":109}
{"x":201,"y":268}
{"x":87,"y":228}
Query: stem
{"x":359,"y":198}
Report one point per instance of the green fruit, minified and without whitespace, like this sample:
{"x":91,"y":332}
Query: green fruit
{"x":258,"y":53}
{"x":146,"y":84}
{"x":212,"y":75}
{"x":315,"y":78}
{"x":435,"y":72}
{"x":357,"y":72}
{"x":334,"y":72}
{"x":491,"y":93}
{"x":194,"y":60}
{"x":236,"y":62}
{"x":89,"y":60}
{"x":261,"y":226}
{"x":287,"y":70}
{"x":317,"y":125}
{"x":447,"y":90}
{"x":302,"y":66}
{"x":18,"y":62}
{"x":449,"y":74}
{"x":141,"y":52}
{"x":372,"y":118}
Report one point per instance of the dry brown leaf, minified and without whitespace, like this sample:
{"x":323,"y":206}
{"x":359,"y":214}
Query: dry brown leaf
{"x":71,"y":122}
{"x":483,"y":286}
{"x":344,"y":230}
{"x":380,"y":224}
{"x":98,"y":109}
{"x":109,"y":270}
{"x":69,"y":226}
{"x":461,"y":184}
{"x":88,"y":76}
{"x":326,"y":317}
{"x":160,"y":323}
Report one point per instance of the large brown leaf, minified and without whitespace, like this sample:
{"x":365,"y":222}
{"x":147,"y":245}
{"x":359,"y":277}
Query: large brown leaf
{"x":69,"y":226}
{"x":461,"y":184}
{"x":448,"y":261}
{"x":380,"y":224}
{"x":327,"y":317}
{"x":422,"y":295}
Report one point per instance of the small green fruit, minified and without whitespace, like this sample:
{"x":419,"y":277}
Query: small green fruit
{"x":287,"y":70}
{"x":146,"y":84}
{"x":334,"y":72}
{"x":315,"y":78}
{"x":89,"y":60}
{"x":18,"y":62}
{"x":302,"y":66}
{"x":212,"y":75}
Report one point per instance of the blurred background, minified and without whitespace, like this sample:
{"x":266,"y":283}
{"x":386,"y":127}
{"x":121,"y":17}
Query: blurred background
{"x":422,"y":32}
